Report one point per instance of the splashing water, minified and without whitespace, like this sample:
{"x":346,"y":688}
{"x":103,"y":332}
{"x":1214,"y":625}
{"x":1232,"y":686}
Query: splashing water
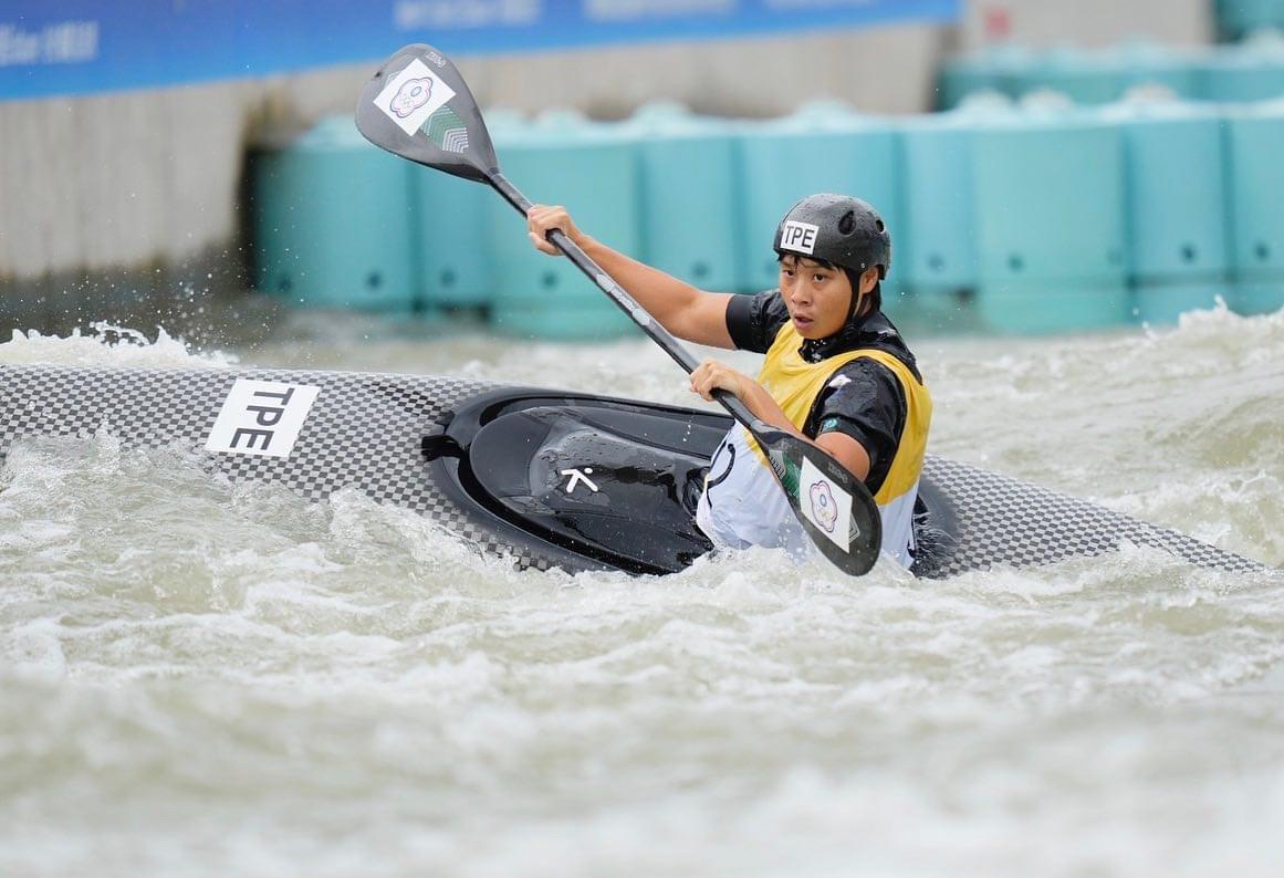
{"x":203,"y":678}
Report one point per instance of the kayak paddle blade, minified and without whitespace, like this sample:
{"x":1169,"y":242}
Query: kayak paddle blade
{"x":834,"y":507}
{"x":418,"y":106}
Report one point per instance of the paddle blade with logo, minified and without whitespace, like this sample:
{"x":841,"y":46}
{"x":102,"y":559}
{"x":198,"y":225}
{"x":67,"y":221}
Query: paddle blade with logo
{"x":833,"y":506}
{"x":419,"y":107}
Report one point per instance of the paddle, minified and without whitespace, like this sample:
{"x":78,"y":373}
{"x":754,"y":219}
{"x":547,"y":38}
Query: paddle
{"x":418,"y":106}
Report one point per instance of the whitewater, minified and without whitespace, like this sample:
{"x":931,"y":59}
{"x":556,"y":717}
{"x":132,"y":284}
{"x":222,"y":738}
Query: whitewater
{"x":205,"y":678}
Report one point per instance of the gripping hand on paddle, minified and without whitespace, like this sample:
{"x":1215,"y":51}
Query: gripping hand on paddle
{"x":543,"y":219}
{"x":711,"y":375}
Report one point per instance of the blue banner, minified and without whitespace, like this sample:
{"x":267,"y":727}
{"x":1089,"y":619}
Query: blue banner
{"x":57,"y":47}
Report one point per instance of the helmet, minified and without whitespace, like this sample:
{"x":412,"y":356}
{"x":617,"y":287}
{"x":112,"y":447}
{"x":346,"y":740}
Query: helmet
{"x":839,"y":229}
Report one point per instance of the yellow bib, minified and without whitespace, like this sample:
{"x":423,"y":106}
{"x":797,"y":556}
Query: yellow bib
{"x":794,"y":384}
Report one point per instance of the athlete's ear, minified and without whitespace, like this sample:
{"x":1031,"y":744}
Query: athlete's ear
{"x":869,"y":279}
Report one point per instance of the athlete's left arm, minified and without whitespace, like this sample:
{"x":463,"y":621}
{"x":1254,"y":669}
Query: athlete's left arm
{"x":712,"y":375}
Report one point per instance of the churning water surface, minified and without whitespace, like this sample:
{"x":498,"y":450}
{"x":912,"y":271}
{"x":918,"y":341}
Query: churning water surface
{"x":199,"y":678}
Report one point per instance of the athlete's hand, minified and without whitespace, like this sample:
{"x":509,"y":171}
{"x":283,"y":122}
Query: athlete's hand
{"x":712,"y":375}
{"x":543,"y":219}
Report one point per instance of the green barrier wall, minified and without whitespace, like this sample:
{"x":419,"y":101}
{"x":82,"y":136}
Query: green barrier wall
{"x":1176,"y":208}
{"x":1236,"y":18}
{"x":1256,"y":171}
{"x":452,"y":270}
{"x":1252,"y":71}
{"x":592,"y":170}
{"x":690,"y":196}
{"x":1049,"y":210}
{"x":1003,"y":217}
{"x":823,"y":148}
{"x":937,"y":250}
{"x":334,"y":222}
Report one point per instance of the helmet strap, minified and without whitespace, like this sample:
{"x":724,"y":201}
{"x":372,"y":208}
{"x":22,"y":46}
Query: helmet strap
{"x":853,"y":278}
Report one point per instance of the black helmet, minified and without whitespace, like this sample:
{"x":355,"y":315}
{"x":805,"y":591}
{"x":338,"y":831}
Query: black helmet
{"x":839,"y":229}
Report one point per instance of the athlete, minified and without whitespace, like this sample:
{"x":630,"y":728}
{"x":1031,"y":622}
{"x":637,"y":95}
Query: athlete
{"x":837,"y":372}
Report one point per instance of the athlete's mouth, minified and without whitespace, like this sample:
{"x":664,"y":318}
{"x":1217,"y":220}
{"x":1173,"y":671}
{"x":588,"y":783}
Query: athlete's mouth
{"x":802,"y":322}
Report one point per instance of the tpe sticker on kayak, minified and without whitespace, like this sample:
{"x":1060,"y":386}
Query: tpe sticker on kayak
{"x":413,"y":95}
{"x":261,"y":418}
{"x":825,"y":505}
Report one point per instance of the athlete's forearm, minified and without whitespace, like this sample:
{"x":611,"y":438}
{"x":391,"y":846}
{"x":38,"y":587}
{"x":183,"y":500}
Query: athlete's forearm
{"x":766,"y":409}
{"x":846,"y":450}
{"x":679,"y":307}
{"x":664,"y":296}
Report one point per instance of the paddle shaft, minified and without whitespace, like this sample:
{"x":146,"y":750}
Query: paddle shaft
{"x":628,"y":305}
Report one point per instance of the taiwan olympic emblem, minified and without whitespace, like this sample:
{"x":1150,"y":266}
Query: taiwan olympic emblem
{"x":823,"y":508}
{"x":412,"y":95}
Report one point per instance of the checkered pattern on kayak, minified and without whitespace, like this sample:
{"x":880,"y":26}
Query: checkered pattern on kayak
{"x":1002,"y":521}
{"x":365,"y":430}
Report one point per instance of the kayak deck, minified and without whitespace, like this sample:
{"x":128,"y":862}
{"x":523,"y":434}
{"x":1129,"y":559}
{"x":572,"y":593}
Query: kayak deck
{"x":320,"y":432}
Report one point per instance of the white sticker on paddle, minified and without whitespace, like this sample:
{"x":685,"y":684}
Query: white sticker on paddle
{"x":261,"y":418}
{"x":825,"y":505}
{"x":412,"y":96}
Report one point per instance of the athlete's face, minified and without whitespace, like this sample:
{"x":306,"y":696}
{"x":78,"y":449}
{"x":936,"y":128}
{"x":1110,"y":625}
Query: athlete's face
{"x":819,"y":298}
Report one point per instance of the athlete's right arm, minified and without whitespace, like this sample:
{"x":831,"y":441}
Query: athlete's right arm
{"x":685,"y":311}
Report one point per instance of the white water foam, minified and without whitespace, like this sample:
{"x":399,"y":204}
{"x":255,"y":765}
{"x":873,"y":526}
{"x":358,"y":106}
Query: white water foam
{"x":201,"y":678}
{"x":106,"y":344}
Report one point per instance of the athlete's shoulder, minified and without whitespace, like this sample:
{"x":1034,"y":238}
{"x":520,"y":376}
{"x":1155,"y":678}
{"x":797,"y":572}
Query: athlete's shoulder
{"x":880,"y":334}
{"x":754,"y":320}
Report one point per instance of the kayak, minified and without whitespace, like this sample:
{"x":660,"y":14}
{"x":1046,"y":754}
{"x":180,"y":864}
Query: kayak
{"x":549,"y":478}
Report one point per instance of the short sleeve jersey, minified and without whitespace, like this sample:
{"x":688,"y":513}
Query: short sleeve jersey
{"x":863,"y":400}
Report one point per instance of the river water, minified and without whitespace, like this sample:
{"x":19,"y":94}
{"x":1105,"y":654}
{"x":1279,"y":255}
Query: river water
{"x":204,"y":679}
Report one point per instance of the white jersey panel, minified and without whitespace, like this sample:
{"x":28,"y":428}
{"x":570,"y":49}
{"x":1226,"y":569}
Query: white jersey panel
{"x":743,"y":505}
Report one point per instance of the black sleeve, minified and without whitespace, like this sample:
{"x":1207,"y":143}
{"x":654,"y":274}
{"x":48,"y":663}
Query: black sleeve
{"x":753,"y":321}
{"x":864,"y":400}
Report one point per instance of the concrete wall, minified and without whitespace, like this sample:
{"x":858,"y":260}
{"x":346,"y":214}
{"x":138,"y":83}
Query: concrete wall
{"x":148,"y":182}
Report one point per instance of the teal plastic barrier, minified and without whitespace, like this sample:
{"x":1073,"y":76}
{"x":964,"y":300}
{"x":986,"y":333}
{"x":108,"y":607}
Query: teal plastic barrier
{"x":996,"y":69}
{"x":1161,"y":303}
{"x":1176,"y":230}
{"x":1085,"y":78}
{"x":937,"y":247}
{"x":1144,"y":66}
{"x":1047,"y":307}
{"x":690,"y":196}
{"x":453,"y":259}
{"x":938,"y":252}
{"x":1256,"y":144}
{"x":1249,"y":72}
{"x":1252,"y":295}
{"x":333,"y":222}
{"x":1050,"y":222}
{"x":452,"y":244}
{"x":591,"y":169}
{"x":822,"y":148}
{"x":1235,"y":18}
{"x":1180,"y":254}
{"x":279,"y":183}
{"x":963,"y":77}
{"x":1028,"y":219}
{"x":1104,"y":76}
